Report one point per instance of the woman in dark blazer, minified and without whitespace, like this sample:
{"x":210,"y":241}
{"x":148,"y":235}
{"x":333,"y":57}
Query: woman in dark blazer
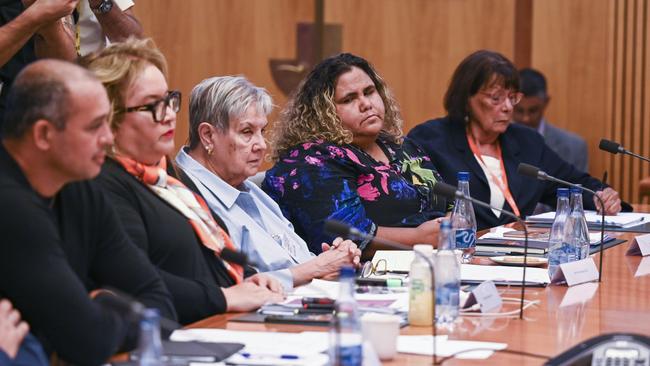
{"x":477,"y":136}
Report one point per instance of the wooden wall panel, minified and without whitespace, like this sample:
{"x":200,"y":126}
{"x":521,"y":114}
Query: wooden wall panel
{"x":630,"y":82}
{"x":593,"y":52}
{"x":204,"y":38}
{"x":570,"y":46}
{"x":595,"y":56}
{"x":417,"y":44}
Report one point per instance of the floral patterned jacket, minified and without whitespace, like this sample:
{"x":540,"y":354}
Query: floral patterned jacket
{"x":316,"y":181}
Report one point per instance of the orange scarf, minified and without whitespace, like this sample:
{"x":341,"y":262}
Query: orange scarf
{"x":191,"y":205}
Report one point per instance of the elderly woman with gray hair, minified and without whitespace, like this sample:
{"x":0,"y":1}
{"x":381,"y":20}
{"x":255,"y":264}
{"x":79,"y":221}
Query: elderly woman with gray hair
{"x":228,"y":116}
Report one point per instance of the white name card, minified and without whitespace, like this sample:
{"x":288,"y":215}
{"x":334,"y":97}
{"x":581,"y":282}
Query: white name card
{"x":639,"y":246}
{"x":577,"y":272}
{"x":487,"y":296}
{"x":644,"y":267}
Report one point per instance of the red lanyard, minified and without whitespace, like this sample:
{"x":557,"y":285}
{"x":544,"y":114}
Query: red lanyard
{"x":501,"y":183}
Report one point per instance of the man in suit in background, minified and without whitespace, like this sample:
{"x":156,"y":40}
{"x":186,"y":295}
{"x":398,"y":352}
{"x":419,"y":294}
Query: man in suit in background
{"x":530,"y":112}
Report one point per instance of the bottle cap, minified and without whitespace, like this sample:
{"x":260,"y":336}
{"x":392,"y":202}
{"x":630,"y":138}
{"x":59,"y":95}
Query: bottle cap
{"x":463,"y":176}
{"x":347,"y":272}
{"x":576,"y":190}
{"x":563,"y":192}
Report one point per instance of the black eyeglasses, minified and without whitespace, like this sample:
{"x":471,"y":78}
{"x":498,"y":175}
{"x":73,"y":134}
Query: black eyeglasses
{"x":158,"y":108}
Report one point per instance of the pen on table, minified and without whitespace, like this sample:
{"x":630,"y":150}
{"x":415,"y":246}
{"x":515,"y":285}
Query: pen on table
{"x":317,"y":300}
{"x":296,"y":312}
{"x":258,"y":355}
{"x":387,"y":282}
{"x":318,"y":306}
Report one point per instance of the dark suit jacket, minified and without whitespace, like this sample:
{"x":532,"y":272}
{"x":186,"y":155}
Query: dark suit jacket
{"x":569,"y":146}
{"x":445,"y":142}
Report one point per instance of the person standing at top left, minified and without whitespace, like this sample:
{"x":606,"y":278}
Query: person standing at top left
{"x":97,"y":23}
{"x":63,"y":29}
{"x":32,"y":29}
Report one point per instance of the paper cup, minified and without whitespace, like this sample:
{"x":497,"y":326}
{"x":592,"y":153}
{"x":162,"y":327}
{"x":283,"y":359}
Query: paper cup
{"x":382,"y":331}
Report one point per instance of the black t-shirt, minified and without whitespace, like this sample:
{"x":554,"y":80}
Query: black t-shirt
{"x":54,"y":251}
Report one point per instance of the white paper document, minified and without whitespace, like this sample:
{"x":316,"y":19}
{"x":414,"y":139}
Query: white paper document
{"x":396,"y":260}
{"x":264,"y":348}
{"x":478,"y":273}
{"x":423,"y":345}
{"x":318,"y":288}
{"x":623,"y":219}
{"x":498,"y":233}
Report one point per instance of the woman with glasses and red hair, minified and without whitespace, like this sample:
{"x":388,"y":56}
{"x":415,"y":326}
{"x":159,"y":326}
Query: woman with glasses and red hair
{"x":477,"y":136}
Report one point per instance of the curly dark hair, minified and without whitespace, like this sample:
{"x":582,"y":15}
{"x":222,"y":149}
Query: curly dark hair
{"x":311,"y":113}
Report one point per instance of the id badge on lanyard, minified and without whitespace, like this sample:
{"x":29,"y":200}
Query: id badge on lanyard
{"x":502,"y":183}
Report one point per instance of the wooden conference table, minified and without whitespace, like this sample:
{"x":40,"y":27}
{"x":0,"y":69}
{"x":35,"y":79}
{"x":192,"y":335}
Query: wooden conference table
{"x":621,"y":303}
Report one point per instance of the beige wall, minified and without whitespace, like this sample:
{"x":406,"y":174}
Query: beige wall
{"x":581,"y":45}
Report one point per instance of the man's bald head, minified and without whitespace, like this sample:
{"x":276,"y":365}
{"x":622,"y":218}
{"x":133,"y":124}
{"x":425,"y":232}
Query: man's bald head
{"x":42,"y":91}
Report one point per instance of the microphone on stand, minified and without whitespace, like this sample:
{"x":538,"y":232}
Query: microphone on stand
{"x":449,"y":191}
{"x":534,"y":172}
{"x":615,"y":148}
{"x":344,"y":230}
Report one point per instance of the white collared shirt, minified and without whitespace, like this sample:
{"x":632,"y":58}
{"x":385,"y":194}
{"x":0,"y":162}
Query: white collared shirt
{"x":271,"y":244}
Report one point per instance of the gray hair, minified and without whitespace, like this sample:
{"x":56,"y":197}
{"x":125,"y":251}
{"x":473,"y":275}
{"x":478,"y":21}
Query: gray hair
{"x":216,"y":100}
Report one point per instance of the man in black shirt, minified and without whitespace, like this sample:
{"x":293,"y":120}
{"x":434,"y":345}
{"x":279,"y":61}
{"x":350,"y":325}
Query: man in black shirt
{"x":61,"y":239}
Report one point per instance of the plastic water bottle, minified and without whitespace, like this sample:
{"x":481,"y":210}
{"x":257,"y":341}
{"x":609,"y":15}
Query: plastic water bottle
{"x":349,"y":343}
{"x":420,"y":289}
{"x":463,"y":220}
{"x":559,"y":251}
{"x":149,"y":344}
{"x":447,"y":278}
{"x":577,"y":229}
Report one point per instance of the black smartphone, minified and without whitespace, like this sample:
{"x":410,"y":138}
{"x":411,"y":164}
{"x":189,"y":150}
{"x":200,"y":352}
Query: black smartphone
{"x":304,"y":319}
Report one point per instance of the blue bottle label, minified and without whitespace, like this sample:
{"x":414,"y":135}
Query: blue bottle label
{"x":465,"y":238}
{"x":351,"y":355}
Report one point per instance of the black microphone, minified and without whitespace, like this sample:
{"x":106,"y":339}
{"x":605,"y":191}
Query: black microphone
{"x":534,"y":172}
{"x":449,"y":191}
{"x":615,"y":148}
{"x":344,"y":230}
{"x":182,"y":351}
{"x":125,"y":304}
{"x":236,"y":257}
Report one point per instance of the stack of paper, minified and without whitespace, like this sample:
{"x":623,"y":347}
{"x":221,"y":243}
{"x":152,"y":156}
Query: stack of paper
{"x":423,"y":345}
{"x":498,"y":241}
{"x":622,"y":220}
{"x":470,"y":272}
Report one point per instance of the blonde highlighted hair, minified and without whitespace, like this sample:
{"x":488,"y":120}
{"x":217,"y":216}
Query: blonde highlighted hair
{"x":311,"y":112}
{"x":117,"y":67}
